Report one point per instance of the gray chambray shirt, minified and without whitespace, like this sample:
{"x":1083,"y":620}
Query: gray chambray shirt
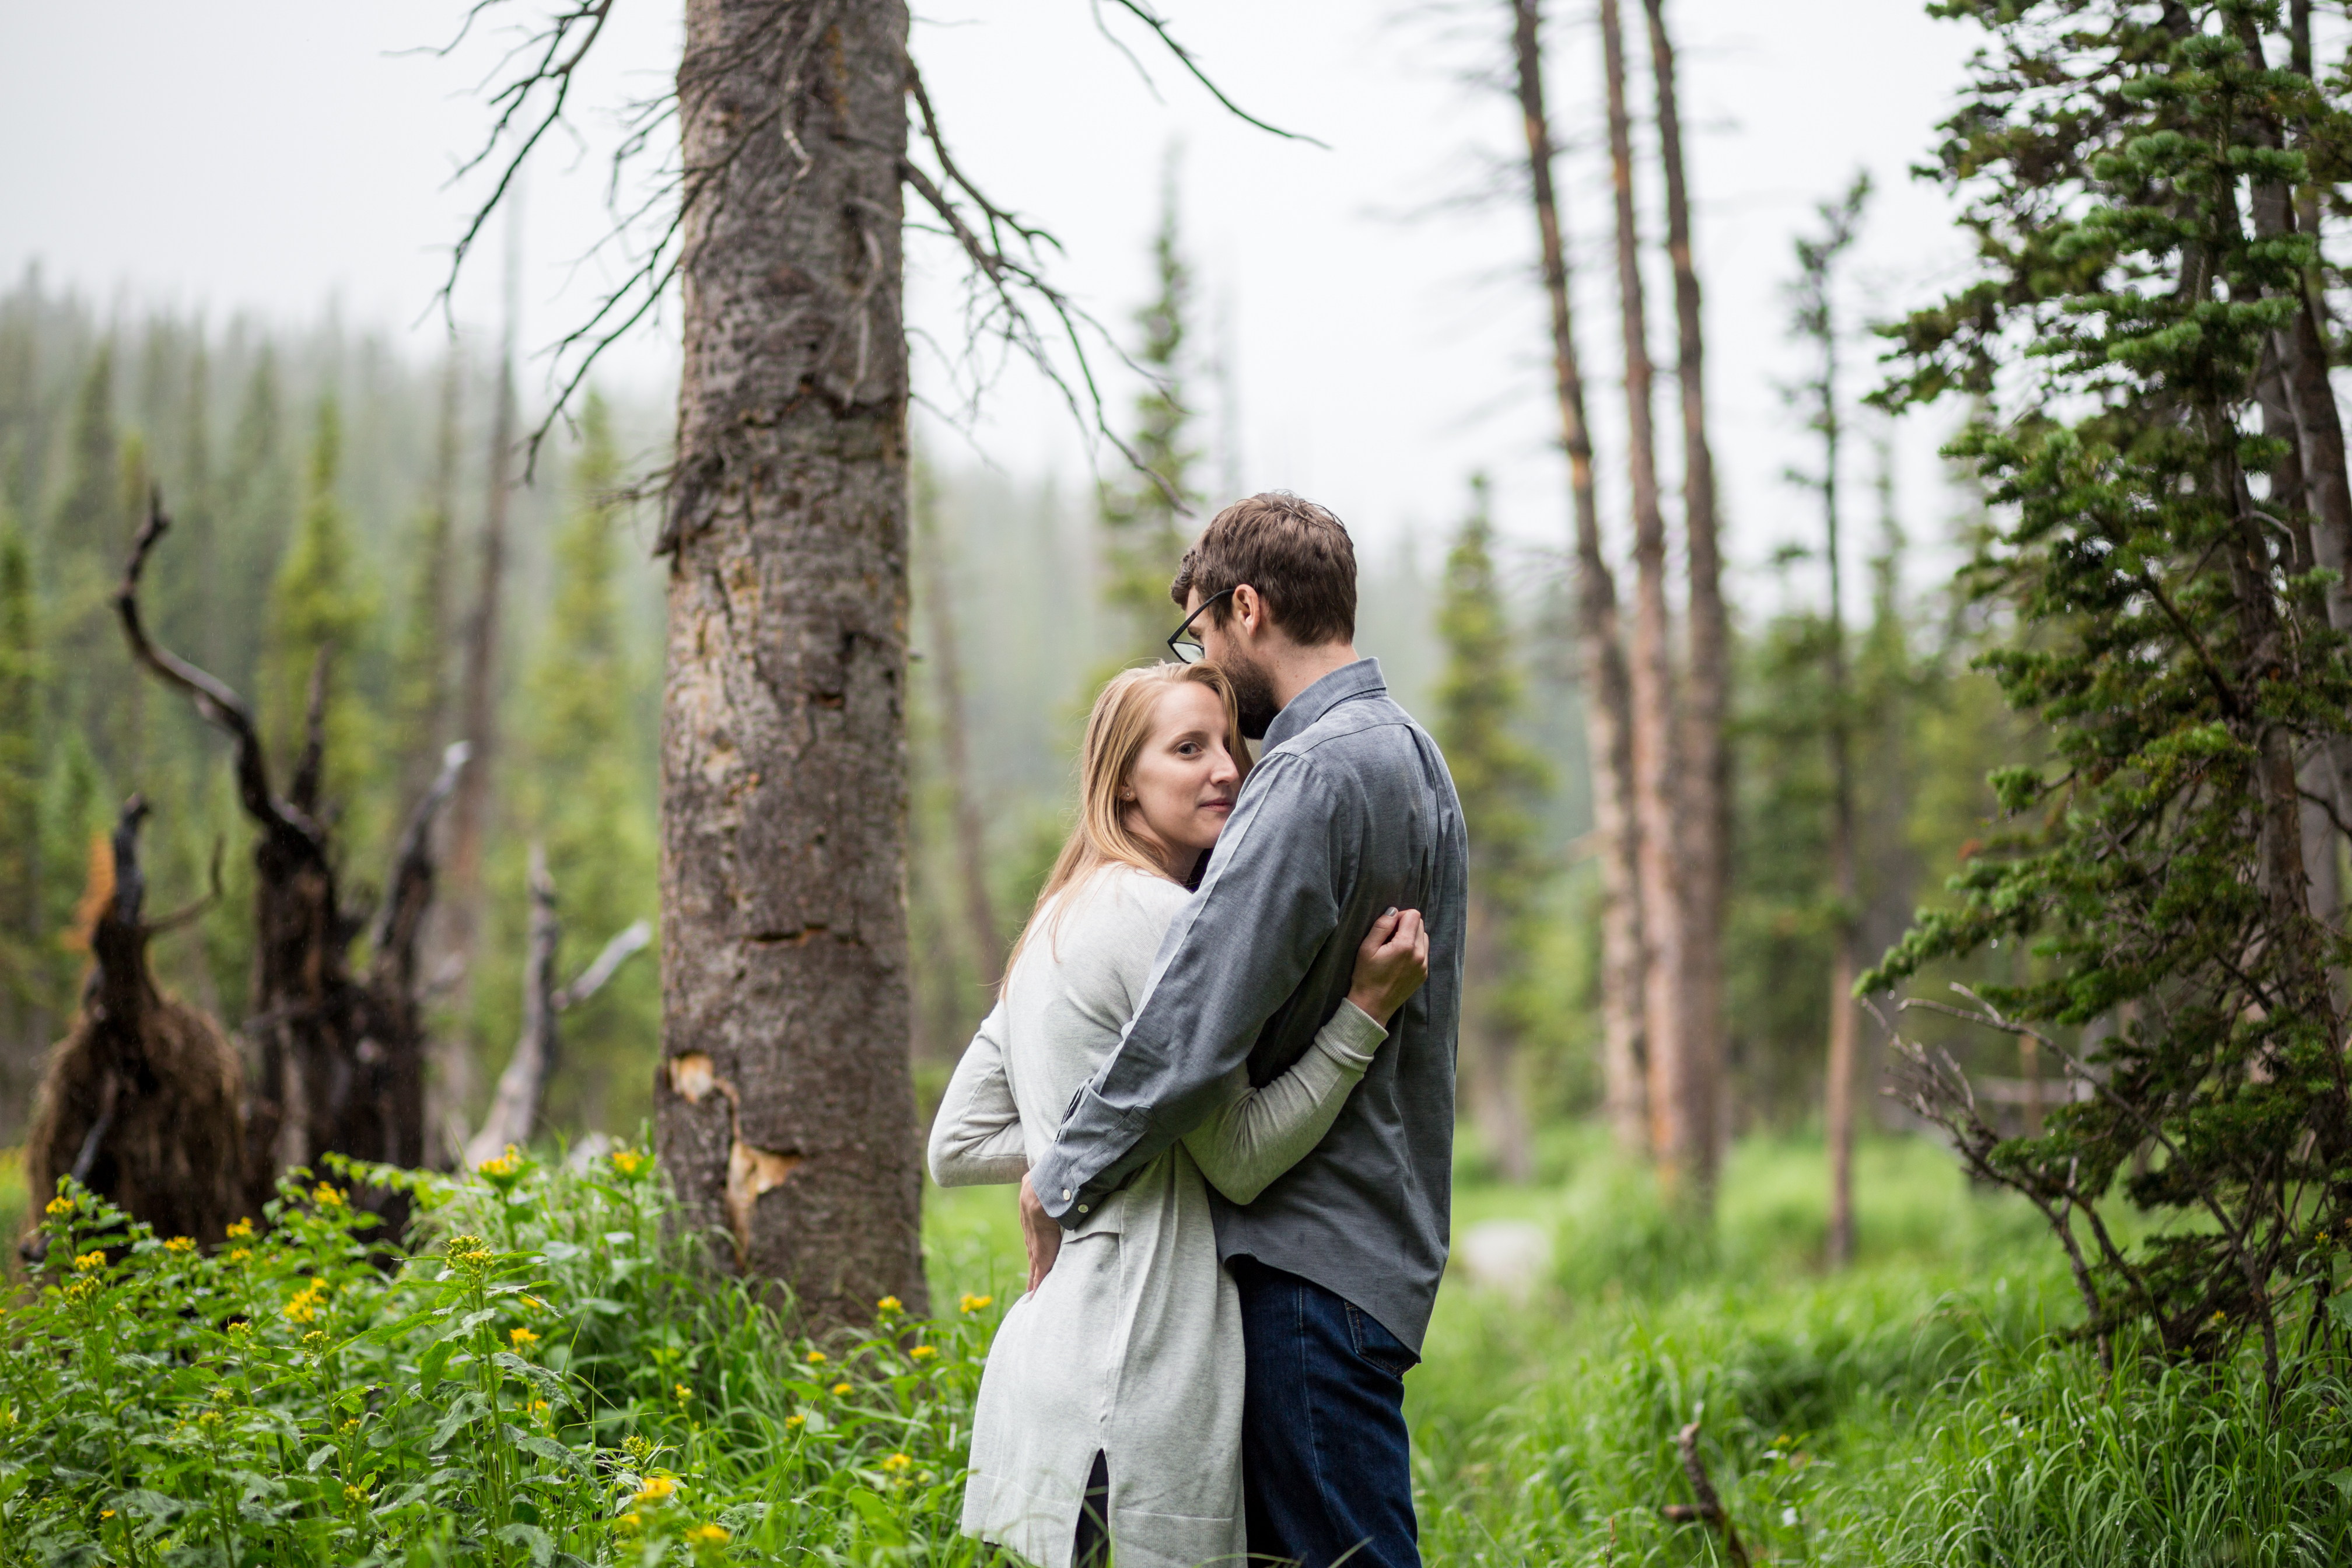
{"x":1350,"y":811}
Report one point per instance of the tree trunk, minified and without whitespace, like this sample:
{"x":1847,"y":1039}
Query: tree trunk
{"x":1608,"y":722}
{"x":458,"y":930}
{"x":784,"y":1107}
{"x":1846,"y":1013}
{"x":1706,"y":835}
{"x":947,"y":681}
{"x":514,"y":1109}
{"x":1682,"y":1099}
{"x":1498,"y":1102}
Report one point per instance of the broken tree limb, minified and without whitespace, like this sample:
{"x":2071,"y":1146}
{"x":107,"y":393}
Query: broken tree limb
{"x":522,"y":1087}
{"x":1710,"y":1511}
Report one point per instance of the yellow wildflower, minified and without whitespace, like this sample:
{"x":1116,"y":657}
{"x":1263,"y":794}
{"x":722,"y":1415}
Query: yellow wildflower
{"x":628,"y":1161}
{"x":326,"y":1196}
{"x":89,"y":1261}
{"x":841,"y":1388}
{"x":974,"y":1303}
{"x":538,"y":1408}
{"x":521,"y":1337}
{"x":355,"y":1495}
{"x":350,"y":1426}
{"x":817,"y":1358}
{"x":683,"y":1393}
{"x":58,"y":1205}
{"x":923,"y":1353}
{"x":897,"y":1464}
{"x":503,"y":1171}
{"x":707,"y":1535}
{"x":631,"y":1520}
{"x":657,"y":1488}
{"x":180,"y":1244}
{"x":241,"y":1231}
{"x":303,"y":1307}
{"x":106,"y":1513}
{"x":889,"y":1304}
{"x":240,"y":1254}
{"x":795,"y":1420}
{"x":242,"y":1327}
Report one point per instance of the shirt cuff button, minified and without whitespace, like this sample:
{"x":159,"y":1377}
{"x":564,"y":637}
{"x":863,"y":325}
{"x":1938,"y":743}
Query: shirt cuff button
{"x":1066,"y":1194}
{"x":1082,"y":1208}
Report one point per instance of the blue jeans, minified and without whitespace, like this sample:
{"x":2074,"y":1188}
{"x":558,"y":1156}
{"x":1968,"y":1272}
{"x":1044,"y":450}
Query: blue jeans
{"x":1327,"y":1472}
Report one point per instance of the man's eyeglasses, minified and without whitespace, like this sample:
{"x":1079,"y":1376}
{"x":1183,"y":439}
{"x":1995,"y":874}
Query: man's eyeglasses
{"x":1183,"y":642}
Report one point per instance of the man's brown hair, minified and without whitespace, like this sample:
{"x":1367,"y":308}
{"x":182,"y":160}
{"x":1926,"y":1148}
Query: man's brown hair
{"x":1297,"y":554}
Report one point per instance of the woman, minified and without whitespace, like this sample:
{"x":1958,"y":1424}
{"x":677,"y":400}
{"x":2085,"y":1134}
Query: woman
{"x":1113,"y":1392}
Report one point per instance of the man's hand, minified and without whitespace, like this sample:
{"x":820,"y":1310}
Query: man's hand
{"x":1040,"y":1233}
{"x":1390,"y":964}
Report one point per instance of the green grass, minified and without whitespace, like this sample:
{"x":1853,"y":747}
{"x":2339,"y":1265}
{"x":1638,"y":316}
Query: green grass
{"x":1925,"y":1407}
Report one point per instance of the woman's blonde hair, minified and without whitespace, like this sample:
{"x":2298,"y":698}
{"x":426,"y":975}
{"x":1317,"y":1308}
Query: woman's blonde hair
{"x":1116,"y":731}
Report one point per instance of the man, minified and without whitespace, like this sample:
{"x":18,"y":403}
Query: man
{"x":1350,"y":812}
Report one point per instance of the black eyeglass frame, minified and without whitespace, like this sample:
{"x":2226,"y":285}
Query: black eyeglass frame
{"x":1176,"y":642}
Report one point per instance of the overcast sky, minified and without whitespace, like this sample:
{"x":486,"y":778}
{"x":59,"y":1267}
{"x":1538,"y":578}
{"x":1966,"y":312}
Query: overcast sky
{"x":1385,"y":339}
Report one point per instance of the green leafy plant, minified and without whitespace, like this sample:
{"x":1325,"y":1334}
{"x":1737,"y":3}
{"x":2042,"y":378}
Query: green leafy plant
{"x":542,"y":1379}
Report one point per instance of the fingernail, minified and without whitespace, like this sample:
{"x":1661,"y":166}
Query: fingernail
{"x":1391,"y":910}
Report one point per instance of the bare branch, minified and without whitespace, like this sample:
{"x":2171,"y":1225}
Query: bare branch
{"x":1158,"y":24}
{"x":634,"y":938}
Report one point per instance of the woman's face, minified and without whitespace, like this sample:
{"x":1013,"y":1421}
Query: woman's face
{"x":1182,"y":787}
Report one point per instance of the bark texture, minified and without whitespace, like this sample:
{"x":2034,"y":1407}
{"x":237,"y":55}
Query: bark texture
{"x":1706,"y":837}
{"x":1608,"y":722}
{"x":1682,"y":1099}
{"x":784,"y":1105}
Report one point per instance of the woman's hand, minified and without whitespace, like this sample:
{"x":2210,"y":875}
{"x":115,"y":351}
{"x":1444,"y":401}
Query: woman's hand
{"x":1390,"y":964}
{"x":1040,"y":1234}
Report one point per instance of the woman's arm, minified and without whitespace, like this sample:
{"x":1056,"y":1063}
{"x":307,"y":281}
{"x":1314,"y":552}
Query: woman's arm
{"x":1259,"y":1133}
{"x":976,"y":1137}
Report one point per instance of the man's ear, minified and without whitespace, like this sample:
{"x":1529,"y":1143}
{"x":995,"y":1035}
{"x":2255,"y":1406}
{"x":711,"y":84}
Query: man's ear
{"x":1249,"y":610}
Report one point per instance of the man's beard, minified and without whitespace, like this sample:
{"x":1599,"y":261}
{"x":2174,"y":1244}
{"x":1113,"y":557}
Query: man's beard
{"x":1253,"y":695}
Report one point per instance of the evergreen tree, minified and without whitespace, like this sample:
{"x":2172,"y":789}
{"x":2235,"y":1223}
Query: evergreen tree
{"x":256,"y":509}
{"x":1144,"y":525}
{"x":2131,"y":172}
{"x":586,"y":800}
{"x":23,"y":967}
{"x":420,"y":675}
{"x":317,"y":607}
{"x":1481,"y":702}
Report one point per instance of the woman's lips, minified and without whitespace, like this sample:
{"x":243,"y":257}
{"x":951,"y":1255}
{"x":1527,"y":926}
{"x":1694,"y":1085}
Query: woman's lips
{"x":1216,"y":805}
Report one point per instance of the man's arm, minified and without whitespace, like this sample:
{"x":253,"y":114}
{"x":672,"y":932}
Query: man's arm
{"x":1232,"y":956}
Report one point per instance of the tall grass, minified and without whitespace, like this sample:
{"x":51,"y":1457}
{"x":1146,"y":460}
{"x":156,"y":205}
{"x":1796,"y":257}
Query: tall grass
{"x":1926,"y":1407}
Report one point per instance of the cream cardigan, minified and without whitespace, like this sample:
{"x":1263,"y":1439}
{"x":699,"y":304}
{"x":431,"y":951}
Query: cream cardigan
{"x":1132,"y":1345}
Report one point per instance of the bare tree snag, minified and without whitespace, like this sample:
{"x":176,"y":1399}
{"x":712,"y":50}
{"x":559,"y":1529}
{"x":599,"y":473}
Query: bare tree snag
{"x":140,"y":1102}
{"x":1608,"y":718}
{"x":522,"y":1087}
{"x":1682,"y":1098}
{"x":785,"y":1109}
{"x":946,"y":681}
{"x":1705,"y":834}
{"x":341,"y":1062}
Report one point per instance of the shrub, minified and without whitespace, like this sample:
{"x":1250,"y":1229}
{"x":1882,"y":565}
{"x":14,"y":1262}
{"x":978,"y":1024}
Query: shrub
{"x":542,"y":1380}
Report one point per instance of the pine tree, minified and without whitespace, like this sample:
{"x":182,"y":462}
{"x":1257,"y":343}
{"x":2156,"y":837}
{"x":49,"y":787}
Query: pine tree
{"x":2131,"y":175}
{"x":1144,"y":523}
{"x":23,"y":966}
{"x":586,"y":799}
{"x":316,"y":608}
{"x":1481,"y":701}
{"x":256,"y":511}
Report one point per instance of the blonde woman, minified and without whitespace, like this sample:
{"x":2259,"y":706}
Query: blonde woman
{"x":1110,"y":1411}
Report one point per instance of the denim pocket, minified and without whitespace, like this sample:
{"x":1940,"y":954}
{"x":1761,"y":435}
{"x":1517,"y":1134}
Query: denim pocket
{"x":1377,"y":1345}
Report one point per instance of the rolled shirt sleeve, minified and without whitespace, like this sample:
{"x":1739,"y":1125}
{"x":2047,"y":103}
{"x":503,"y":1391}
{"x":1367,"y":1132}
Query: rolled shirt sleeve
{"x":1233,"y":955}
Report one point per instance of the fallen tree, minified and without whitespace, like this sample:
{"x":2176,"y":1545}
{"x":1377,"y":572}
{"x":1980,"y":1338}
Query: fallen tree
{"x":340,"y":1055}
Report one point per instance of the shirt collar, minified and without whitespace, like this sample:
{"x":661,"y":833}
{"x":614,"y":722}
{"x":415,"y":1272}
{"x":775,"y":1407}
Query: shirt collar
{"x":1361,"y":678}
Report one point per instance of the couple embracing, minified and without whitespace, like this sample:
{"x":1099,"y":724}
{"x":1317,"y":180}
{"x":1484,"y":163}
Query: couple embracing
{"x":1222,"y":1068}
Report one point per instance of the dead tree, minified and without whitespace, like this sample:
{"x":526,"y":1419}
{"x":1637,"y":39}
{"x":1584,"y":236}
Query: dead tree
{"x":340,"y":1058}
{"x":140,"y":1101}
{"x":523,"y":1087}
